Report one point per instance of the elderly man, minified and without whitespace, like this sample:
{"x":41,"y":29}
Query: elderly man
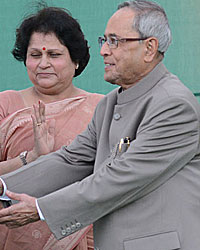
{"x":135,"y":171}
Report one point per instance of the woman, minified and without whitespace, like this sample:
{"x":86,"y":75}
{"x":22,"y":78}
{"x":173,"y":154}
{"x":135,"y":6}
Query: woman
{"x":52,"y":46}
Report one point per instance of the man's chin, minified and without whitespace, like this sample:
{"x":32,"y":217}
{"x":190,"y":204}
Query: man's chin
{"x":110,"y":80}
{"x":113,"y":82}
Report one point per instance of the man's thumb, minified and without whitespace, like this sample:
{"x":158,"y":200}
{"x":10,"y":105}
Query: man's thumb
{"x":13,"y":196}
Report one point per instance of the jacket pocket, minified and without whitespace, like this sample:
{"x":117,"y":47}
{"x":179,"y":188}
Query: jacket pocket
{"x":161,"y":241}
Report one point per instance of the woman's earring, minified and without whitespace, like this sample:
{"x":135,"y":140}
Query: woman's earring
{"x":77,"y":65}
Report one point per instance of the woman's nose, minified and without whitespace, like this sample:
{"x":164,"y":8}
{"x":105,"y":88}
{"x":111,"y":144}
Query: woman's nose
{"x":44,"y":61}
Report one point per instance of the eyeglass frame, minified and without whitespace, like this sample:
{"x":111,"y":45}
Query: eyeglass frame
{"x":116,"y":40}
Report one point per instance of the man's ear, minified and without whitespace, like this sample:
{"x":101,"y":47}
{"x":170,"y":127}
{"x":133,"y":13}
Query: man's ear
{"x":151,"y":45}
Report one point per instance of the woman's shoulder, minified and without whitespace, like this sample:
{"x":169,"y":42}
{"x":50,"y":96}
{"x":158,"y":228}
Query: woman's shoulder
{"x":10,"y":101}
{"x":93,"y":97}
{"x":9,"y":94}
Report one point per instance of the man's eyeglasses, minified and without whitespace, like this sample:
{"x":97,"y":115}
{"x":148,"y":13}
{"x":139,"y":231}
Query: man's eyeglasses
{"x":113,"y":41}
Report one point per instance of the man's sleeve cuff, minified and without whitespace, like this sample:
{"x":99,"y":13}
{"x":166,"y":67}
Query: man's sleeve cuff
{"x":39,"y":211}
{"x":4,"y":196}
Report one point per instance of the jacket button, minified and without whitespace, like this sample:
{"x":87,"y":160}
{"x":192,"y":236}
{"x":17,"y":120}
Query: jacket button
{"x":68,"y":230}
{"x":73,"y":227}
{"x":63,"y":232}
{"x":117,"y":116}
{"x":78,"y":224}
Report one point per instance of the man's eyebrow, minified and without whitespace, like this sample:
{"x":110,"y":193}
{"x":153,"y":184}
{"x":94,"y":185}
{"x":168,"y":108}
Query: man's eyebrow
{"x":111,"y":34}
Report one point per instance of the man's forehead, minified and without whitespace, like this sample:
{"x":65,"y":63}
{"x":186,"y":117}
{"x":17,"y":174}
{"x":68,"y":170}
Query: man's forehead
{"x":120,"y":22}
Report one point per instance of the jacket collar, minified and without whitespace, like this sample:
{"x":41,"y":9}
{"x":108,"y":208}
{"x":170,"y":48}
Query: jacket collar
{"x":143,"y":86}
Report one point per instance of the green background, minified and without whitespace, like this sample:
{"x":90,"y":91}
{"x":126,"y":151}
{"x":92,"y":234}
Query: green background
{"x":182,"y":57}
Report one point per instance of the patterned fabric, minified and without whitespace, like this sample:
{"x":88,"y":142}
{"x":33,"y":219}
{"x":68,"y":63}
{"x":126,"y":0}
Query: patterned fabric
{"x":16,"y":135}
{"x":85,"y":241}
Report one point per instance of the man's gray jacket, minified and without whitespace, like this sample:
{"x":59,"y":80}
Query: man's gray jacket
{"x":142,"y":196}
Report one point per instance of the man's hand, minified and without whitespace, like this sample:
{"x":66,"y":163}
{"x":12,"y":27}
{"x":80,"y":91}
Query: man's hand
{"x":21,"y":213}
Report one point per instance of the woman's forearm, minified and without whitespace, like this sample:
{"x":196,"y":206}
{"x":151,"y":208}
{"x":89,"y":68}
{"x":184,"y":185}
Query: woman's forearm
{"x":15,"y":163}
{"x":10,"y":165}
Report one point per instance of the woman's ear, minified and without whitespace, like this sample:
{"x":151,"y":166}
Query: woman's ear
{"x":151,"y":49}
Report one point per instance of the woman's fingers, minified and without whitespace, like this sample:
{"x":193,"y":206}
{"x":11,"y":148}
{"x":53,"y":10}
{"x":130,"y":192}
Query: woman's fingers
{"x":41,"y":111}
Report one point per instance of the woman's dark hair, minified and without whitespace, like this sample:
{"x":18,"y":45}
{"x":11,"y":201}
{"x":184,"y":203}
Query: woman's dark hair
{"x":60,"y":22}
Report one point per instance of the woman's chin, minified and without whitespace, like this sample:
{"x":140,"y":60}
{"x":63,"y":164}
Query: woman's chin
{"x":46,"y":84}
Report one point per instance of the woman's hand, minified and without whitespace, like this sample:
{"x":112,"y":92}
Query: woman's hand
{"x":43,"y":132}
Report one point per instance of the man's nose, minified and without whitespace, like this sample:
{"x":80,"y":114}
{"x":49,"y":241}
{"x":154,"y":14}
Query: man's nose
{"x":105,"y":50}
